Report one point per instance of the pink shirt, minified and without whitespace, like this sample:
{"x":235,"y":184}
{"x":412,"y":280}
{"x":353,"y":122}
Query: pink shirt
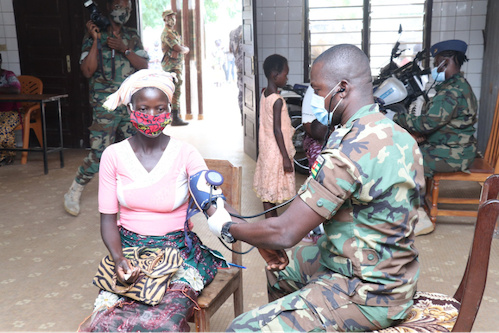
{"x":149,"y":203}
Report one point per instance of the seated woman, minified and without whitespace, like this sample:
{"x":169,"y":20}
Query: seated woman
{"x":9,"y":117}
{"x":144,"y":179}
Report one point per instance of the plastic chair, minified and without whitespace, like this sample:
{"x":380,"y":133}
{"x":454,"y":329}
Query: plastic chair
{"x":227,"y":282}
{"x":434,"y":312}
{"x":31,"y":112}
{"x":480,"y":169}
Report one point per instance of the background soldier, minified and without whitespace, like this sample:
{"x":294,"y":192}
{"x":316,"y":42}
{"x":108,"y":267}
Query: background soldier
{"x":446,"y":127}
{"x":173,"y":60}
{"x":108,"y":57}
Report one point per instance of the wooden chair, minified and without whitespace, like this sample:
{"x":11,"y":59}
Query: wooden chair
{"x":433,"y":312}
{"x":228,"y":281}
{"x":31,"y":113}
{"x":480,"y":169}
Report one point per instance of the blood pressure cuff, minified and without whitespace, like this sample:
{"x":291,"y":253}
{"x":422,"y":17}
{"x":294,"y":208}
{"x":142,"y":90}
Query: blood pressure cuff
{"x":201,"y":184}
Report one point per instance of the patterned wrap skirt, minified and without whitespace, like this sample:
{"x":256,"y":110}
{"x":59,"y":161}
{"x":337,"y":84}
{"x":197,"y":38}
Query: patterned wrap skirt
{"x":114,"y":313}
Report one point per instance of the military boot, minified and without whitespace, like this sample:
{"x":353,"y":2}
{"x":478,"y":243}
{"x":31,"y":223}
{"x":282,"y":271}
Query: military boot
{"x":72,"y":198}
{"x":176,"y":120}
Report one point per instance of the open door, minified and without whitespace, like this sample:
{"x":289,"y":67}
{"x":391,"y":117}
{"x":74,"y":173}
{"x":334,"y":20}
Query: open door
{"x":250,"y":82}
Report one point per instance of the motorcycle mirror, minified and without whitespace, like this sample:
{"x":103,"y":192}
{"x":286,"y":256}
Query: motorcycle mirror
{"x":400,"y":29}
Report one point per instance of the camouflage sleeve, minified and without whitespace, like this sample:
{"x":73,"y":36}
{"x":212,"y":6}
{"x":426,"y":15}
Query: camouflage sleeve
{"x":334,"y":179}
{"x":439,"y":113}
{"x":85,"y":46}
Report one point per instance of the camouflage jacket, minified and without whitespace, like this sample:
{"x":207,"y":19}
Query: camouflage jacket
{"x":102,"y":81}
{"x":448,"y":121}
{"x":170,"y":38}
{"x":366,"y":185}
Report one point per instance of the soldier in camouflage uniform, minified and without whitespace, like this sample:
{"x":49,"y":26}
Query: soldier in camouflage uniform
{"x":364,"y":187}
{"x":235,"y":47}
{"x":173,"y":60}
{"x":108,"y":57}
{"x":446,"y":127}
{"x":448,"y":121}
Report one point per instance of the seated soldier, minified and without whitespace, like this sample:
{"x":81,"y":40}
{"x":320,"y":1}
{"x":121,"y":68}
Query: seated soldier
{"x":446,"y":127}
{"x":365,"y":189}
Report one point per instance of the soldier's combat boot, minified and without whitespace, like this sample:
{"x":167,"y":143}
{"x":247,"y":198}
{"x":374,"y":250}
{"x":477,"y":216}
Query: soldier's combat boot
{"x":176,"y":120}
{"x":72,"y":198}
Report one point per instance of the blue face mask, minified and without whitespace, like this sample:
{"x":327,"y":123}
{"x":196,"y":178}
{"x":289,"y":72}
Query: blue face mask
{"x":438,"y":77}
{"x":317,"y":104}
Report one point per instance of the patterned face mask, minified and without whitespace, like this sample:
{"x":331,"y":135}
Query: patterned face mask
{"x":121,"y":15}
{"x":150,"y":125}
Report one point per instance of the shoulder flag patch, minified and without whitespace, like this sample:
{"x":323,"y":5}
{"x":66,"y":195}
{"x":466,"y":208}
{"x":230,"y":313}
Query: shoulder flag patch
{"x":317,"y":166}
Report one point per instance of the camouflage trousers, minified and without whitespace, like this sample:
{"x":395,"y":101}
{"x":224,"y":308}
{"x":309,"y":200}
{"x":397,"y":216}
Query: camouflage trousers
{"x":435,"y":163}
{"x":303,"y":299}
{"x":8,"y":122}
{"x":107,"y":128}
{"x":178,"y":86}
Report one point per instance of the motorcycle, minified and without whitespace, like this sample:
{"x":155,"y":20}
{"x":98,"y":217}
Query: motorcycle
{"x":293,"y":96}
{"x":401,"y":89}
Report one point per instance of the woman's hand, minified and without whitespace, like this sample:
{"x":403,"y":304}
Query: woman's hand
{"x":276,"y":260}
{"x":125,"y":272}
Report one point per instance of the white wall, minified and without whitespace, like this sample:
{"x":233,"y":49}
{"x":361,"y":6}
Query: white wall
{"x":280,"y":30}
{"x":465,"y":20}
{"x":8,"y":37}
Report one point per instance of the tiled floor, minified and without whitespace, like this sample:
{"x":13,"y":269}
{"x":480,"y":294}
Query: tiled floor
{"x":48,"y":258}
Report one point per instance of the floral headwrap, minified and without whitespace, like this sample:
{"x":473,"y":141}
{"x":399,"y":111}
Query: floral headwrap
{"x":145,"y":78}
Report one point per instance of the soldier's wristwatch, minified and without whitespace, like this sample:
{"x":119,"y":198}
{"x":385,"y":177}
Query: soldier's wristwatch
{"x":225,"y":234}
{"x":127,"y":52}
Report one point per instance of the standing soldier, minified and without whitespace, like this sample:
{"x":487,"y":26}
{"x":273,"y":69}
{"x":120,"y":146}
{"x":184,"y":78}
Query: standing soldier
{"x":108,"y":57}
{"x":235,"y":47}
{"x":173,"y":60}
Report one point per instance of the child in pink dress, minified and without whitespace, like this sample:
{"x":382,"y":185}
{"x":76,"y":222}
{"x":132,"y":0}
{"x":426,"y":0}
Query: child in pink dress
{"x":274,"y":179}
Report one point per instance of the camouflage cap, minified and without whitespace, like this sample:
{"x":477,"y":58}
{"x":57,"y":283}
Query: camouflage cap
{"x":167,"y":13}
{"x":448,"y":45}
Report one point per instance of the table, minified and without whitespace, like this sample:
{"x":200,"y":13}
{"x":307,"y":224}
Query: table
{"x":42,"y":99}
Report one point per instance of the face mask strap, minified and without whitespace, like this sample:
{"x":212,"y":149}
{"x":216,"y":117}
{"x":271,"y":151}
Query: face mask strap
{"x":441,"y":65}
{"x":330,"y":91}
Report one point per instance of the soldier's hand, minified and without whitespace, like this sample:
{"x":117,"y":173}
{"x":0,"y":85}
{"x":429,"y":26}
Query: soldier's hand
{"x":116,"y":43}
{"x":93,"y":30}
{"x":420,"y":138}
{"x":276,"y":260}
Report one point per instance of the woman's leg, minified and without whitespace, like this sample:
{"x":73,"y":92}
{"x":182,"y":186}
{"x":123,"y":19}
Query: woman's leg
{"x":170,"y":315}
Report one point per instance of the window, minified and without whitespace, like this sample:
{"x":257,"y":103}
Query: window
{"x":333,"y":22}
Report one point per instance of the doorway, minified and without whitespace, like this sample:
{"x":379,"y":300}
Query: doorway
{"x":217,"y":69}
